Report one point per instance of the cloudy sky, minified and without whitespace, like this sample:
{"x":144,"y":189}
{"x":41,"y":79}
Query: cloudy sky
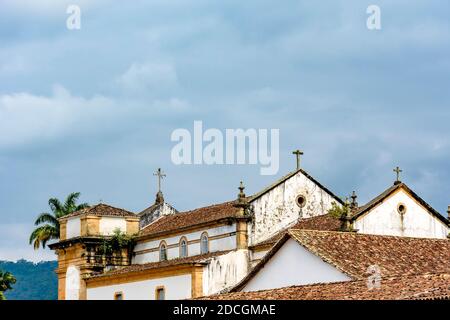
{"x":92,"y":110}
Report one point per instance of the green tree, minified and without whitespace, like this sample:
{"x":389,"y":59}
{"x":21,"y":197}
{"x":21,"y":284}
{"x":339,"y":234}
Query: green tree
{"x":6,"y":280}
{"x":48,"y":224}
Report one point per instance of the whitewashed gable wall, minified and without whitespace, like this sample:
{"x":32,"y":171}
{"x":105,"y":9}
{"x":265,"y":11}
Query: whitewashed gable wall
{"x":277,"y":209}
{"x":384,"y":219}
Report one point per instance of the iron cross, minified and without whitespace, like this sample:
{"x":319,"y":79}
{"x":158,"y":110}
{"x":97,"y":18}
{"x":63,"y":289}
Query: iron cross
{"x":398,"y":171}
{"x":160,"y":175}
{"x":298,"y":153}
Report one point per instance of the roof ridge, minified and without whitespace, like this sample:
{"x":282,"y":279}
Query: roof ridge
{"x":358,"y":234}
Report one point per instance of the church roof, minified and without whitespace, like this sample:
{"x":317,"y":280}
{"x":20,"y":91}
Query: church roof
{"x":352,"y":253}
{"x":384,"y":195}
{"x":203,"y":258}
{"x":324,"y":222}
{"x":101,"y":210}
{"x":287,"y":177}
{"x":410,"y":287}
{"x":188,"y":219}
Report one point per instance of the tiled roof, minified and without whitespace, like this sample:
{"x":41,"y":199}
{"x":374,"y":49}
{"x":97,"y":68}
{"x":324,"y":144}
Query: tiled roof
{"x":160,"y":264}
{"x":102,"y":210}
{"x":288,"y":176}
{"x":354,"y":253}
{"x":412,"y":287}
{"x":191,"y":218}
{"x":380,"y":198}
{"x":323,"y":222}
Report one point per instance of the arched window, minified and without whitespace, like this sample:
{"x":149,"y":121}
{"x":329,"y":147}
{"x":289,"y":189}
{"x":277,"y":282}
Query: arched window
{"x":162,"y":251}
{"x":183,"y":248}
{"x":204,"y":243}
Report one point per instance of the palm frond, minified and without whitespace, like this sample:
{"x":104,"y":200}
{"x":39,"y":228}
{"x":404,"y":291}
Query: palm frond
{"x":46,"y":218}
{"x":56,"y":206}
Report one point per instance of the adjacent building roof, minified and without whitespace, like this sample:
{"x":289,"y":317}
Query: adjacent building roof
{"x":191,"y":218}
{"x":160,"y":264}
{"x":324,"y":222}
{"x":380,"y":198}
{"x":102,"y":210}
{"x":290,"y":175}
{"x":354,"y":253}
{"x":411,"y":287}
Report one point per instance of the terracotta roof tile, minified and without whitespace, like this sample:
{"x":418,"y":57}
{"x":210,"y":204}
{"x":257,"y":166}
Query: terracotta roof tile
{"x":102,"y":210}
{"x":323,"y":222}
{"x":160,"y":264}
{"x":412,"y":287}
{"x":191,"y":218}
{"x":353,"y":253}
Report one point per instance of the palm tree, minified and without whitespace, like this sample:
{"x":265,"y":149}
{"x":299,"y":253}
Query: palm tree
{"x":49,"y":229}
{"x":6,"y":280}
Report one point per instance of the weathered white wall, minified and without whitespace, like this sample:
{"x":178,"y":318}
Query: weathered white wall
{"x":384,"y":219}
{"x":72,"y":290}
{"x":256,"y":256}
{"x":225,"y":271}
{"x":294,"y":265}
{"x":277,"y":209}
{"x":107,"y":225}
{"x":163,"y":209}
{"x":176,"y":287}
{"x":73,"y":227}
{"x":222,"y":244}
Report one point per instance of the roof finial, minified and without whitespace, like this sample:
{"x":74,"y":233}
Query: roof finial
{"x":397,"y":170}
{"x":346,"y":219}
{"x":298,"y":153}
{"x":354,"y":203}
{"x":159,"y":194}
{"x":241,"y":201}
{"x":241,"y":194}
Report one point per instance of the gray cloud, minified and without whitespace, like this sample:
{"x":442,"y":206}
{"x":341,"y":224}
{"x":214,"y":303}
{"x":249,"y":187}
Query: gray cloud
{"x":92,"y":110}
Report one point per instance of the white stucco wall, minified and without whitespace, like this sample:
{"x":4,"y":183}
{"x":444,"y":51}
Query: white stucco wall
{"x":107,"y":225}
{"x":72,"y":290}
{"x":277,"y":209}
{"x":384,"y":219}
{"x":73,"y":227}
{"x":176,"y":287}
{"x":225,"y":271}
{"x":294,"y":265}
{"x":222,"y":244}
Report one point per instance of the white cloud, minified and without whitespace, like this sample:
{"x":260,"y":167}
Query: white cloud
{"x":148,"y":77}
{"x":25,"y":117}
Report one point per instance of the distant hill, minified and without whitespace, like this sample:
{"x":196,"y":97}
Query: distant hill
{"x":35,"y":281}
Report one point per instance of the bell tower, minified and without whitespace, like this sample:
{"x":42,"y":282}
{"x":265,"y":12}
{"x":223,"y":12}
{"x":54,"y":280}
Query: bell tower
{"x":82,"y":235}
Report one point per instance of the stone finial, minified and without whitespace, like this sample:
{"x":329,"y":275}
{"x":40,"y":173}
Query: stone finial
{"x":159,"y":198}
{"x":354,"y":203}
{"x":241,"y":201}
{"x":346,"y":219}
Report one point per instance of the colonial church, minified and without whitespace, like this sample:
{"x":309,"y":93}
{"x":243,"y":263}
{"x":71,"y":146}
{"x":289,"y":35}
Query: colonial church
{"x":244,"y":245}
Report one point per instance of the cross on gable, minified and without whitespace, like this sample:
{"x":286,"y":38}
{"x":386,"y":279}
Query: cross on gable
{"x":298,"y":153}
{"x":397,"y":170}
{"x":160,"y":175}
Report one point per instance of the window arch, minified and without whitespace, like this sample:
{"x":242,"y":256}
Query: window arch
{"x":204,"y":243}
{"x":163,"y":251}
{"x":183,"y":247}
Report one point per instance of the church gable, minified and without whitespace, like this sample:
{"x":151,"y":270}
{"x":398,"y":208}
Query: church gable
{"x":400,"y":212}
{"x":295,"y":196}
